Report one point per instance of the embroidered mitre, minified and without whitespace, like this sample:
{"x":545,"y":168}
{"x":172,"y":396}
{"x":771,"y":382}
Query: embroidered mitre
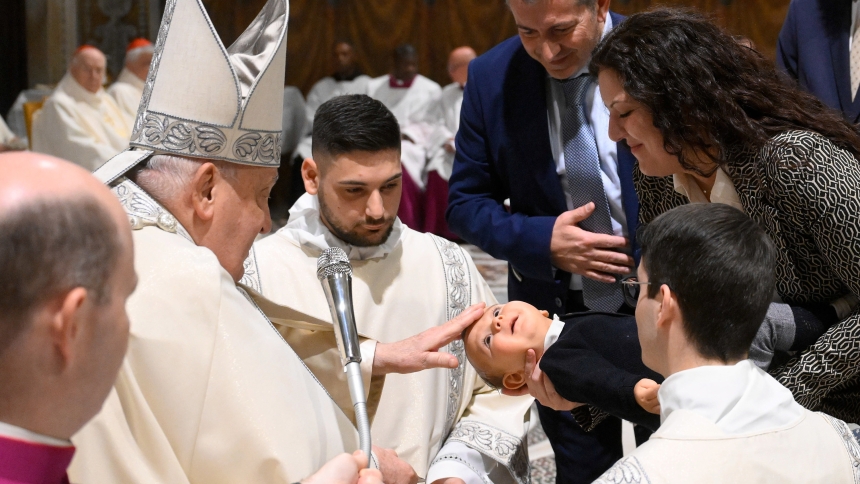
{"x":203,"y":100}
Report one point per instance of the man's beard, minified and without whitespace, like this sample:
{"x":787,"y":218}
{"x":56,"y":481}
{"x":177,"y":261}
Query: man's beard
{"x":348,"y":236}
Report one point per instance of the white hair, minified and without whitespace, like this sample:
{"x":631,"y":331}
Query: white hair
{"x":134,"y":54}
{"x":166,"y":177}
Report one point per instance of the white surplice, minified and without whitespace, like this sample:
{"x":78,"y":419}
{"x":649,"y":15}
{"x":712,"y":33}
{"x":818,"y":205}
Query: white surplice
{"x":412,"y":282}
{"x":80,"y":126}
{"x":209,"y":391}
{"x":127,"y":91}
{"x":737,"y":424}
{"x":407,"y":103}
{"x":324,"y":90}
{"x":443,"y":114}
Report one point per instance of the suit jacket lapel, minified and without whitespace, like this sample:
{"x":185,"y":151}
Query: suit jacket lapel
{"x":528,"y":107}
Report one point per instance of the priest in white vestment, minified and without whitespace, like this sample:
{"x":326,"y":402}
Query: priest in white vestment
{"x":128,"y":87}
{"x":80,"y":122}
{"x":220,"y":385}
{"x":443,"y":118}
{"x":722,"y":418}
{"x":408,"y":94}
{"x":445,"y":423}
{"x":8,"y":140}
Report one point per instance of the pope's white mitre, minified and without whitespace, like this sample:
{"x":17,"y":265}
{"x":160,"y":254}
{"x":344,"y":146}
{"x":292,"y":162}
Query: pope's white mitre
{"x":203,"y":100}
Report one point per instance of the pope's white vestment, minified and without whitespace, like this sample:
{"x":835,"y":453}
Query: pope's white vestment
{"x":80,"y":126}
{"x":209,"y":391}
{"x":127,"y":91}
{"x":412,"y":282}
{"x":737,"y":424}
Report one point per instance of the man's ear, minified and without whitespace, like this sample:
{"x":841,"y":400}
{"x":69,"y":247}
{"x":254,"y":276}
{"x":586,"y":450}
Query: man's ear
{"x":669,"y":311}
{"x":514,"y":381}
{"x":545,"y":313}
{"x":66,"y":312}
{"x":202,"y":187}
{"x":602,"y":10}
{"x":311,"y":176}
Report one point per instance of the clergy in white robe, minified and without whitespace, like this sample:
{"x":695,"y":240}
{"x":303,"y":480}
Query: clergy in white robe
{"x":408,"y":94}
{"x":722,"y":418}
{"x":443,"y":117}
{"x":128,"y":87}
{"x":347,"y":79}
{"x":80,"y":122}
{"x":445,"y":423}
{"x":8,"y":140}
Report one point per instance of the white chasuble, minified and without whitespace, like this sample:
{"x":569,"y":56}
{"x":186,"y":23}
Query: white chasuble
{"x":412,"y":282}
{"x":127,"y":91}
{"x":80,"y":126}
{"x":209,"y":391}
{"x":737,"y":424}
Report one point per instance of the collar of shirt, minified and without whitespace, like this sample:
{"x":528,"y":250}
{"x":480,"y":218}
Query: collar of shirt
{"x":306,"y":229}
{"x":17,"y":433}
{"x":723,"y":190}
{"x":395,"y":83}
{"x":71,"y":87}
{"x":738,"y":399}
{"x":553,"y":332}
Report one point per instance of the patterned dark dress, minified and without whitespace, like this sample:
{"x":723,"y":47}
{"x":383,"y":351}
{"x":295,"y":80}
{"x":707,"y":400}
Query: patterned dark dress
{"x":805,"y":193}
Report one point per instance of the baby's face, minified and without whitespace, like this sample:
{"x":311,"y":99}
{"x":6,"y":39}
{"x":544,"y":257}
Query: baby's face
{"x":497,"y":343}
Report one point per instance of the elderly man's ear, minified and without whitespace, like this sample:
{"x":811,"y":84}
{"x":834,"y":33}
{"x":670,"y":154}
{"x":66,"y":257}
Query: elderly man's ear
{"x":65,"y":314}
{"x":204,"y":189}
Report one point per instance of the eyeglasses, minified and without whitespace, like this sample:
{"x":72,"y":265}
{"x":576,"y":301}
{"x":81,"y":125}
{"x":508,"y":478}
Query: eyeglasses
{"x":630,"y":289}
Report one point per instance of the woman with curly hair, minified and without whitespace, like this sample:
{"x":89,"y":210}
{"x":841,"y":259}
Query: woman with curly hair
{"x":711,"y":121}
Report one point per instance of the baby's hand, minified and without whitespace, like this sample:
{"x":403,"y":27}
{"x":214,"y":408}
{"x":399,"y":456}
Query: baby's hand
{"x":645,"y":393}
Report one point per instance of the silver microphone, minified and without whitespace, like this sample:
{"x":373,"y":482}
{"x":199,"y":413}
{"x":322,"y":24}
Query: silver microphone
{"x":335,"y":274}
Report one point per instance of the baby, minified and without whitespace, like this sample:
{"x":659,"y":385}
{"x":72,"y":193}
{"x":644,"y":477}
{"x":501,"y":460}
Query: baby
{"x":591,"y":358}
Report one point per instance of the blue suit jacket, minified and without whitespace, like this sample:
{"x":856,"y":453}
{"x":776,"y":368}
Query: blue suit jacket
{"x":503,"y":151}
{"x":813,"y":49}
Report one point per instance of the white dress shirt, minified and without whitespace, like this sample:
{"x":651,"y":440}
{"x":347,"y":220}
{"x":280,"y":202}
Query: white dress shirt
{"x":607,"y":150}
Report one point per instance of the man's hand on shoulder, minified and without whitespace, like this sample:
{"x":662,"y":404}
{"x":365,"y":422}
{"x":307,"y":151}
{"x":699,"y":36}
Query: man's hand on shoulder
{"x":421,"y":352}
{"x":585,"y":253}
{"x":394,"y":470}
{"x":645,"y":393}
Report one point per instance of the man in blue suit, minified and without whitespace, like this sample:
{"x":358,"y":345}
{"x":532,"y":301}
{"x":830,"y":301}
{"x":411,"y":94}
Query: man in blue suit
{"x":534,"y":130}
{"x":815,"y":46}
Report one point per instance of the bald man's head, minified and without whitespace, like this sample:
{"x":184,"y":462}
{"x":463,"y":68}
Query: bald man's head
{"x":458,"y":64}
{"x":66,"y":257}
{"x":88,"y":68}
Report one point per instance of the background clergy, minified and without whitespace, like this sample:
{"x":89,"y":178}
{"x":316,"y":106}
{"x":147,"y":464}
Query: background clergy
{"x":210,"y":390}
{"x":128,"y":87}
{"x":404,"y":282}
{"x":80,"y":122}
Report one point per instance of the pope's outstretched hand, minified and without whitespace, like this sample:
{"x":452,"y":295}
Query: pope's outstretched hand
{"x":421,"y":352}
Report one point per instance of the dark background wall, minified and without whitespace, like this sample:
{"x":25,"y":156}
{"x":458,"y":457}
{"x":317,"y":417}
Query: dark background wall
{"x":13,"y":52}
{"x":435,"y":27}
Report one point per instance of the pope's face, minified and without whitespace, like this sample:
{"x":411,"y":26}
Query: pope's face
{"x":560,"y":34}
{"x":359,"y":194}
{"x":631,"y":121}
{"x":241,"y":213}
{"x":497,"y":343}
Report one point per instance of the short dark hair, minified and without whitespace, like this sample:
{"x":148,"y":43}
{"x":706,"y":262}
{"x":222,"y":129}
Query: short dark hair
{"x":720,"y":265}
{"x":351,"y":123}
{"x":404,"y":51}
{"x":707,"y":93}
{"x":587,"y":3}
{"x":47,"y":248}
